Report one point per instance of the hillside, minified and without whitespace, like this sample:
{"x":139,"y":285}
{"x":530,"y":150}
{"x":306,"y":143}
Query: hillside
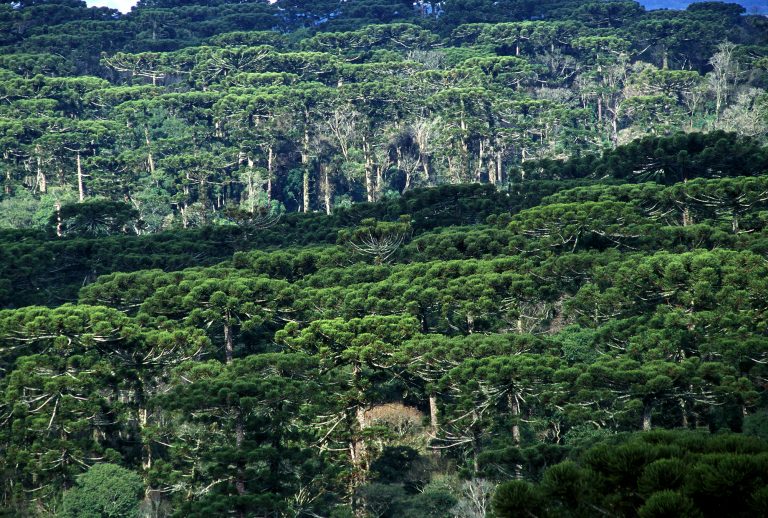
{"x":350,"y":260}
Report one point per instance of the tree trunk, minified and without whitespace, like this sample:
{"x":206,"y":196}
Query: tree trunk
{"x":369,"y":187}
{"x":150,"y":159}
{"x":142,"y":418}
{"x":480,"y":158}
{"x":600,"y":108}
{"x":514,"y":409}
{"x":379,"y":179}
{"x":80,"y":187}
{"x":684,"y":413}
{"x":42,"y":184}
{"x":647,"y":413}
{"x":425,"y":166}
{"x":433,"y":419}
{"x":687,"y":218}
{"x":146,"y":448}
{"x":58,"y":218}
{"x":326,"y":191}
{"x":229,"y":343}
{"x":305,"y":167}
{"x":251,"y":188}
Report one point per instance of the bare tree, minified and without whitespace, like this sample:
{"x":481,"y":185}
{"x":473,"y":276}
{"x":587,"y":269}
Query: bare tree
{"x":475,"y":499}
{"x":725,"y":73}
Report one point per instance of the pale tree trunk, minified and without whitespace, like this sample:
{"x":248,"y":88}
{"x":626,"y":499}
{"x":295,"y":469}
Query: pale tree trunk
{"x":251,"y":188}
{"x":204,"y":199}
{"x":326,"y":191}
{"x":80,"y":186}
{"x":142,"y":414}
{"x":492,"y":171}
{"x":425,"y":165}
{"x":150,"y":159}
{"x":369,"y":182}
{"x":229,"y":343}
{"x":305,"y":167}
{"x":42,"y":183}
{"x":58,"y":218}
{"x":379,"y":179}
{"x":687,"y":218}
{"x":647,"y":414}
{"x":184,"y":217}
{"x":600,"y":108}
{"x":146,"y":449}
{"x":357,"y":449}
{"x":480,"y":158}
{"x":514,"y":409}
{"x":434,"y":423}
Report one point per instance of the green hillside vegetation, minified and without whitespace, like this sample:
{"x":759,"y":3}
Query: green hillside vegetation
{"x":320,"y":259}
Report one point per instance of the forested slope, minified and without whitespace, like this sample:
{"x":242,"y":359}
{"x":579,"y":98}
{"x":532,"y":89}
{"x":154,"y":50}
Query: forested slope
{"x":183,"y":110}
{"x":361,"y":260}
{"x":404,"y":358}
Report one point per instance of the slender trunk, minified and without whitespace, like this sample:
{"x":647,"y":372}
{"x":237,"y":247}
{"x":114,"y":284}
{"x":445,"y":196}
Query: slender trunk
{"x":379,"y":179}
{"x":514,"y":409}
{"x":480,"y":157}
{"x":647,"y":413}
{"x":687,"y":218}
{"x":270,"y":171}
{"x":326,"y":191}
{"x":42,"y":184}
{"x":600,"y":108}
{"x":229,"y":343}
{"x":433,"y":419}
{"x":305,"y":167}
{"x":184,"y":217}
{"x":492,"y":170}
{"x":357,"y":448}
{"x":150,"y":159}
{"x":251,"y":188}
{"x":146,"y":448}
{"x":499,"y":167}
{"x":369,"y":187}
{"x":142,"y":414}
{"x":80,"y":187}
{"x":203,"y":195}
{"x":683,"y":413}
{"x":425,"y":166}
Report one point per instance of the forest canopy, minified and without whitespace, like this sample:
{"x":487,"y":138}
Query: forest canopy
{"x":380,"y":258}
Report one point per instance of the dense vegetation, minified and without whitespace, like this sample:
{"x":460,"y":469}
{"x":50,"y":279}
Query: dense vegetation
{"x":186,"y":109}
{"x":550,"y":297}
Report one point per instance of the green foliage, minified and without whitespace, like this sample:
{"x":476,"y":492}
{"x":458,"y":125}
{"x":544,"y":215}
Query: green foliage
{"x":375,"y":258}
{"x":104,"y":491}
